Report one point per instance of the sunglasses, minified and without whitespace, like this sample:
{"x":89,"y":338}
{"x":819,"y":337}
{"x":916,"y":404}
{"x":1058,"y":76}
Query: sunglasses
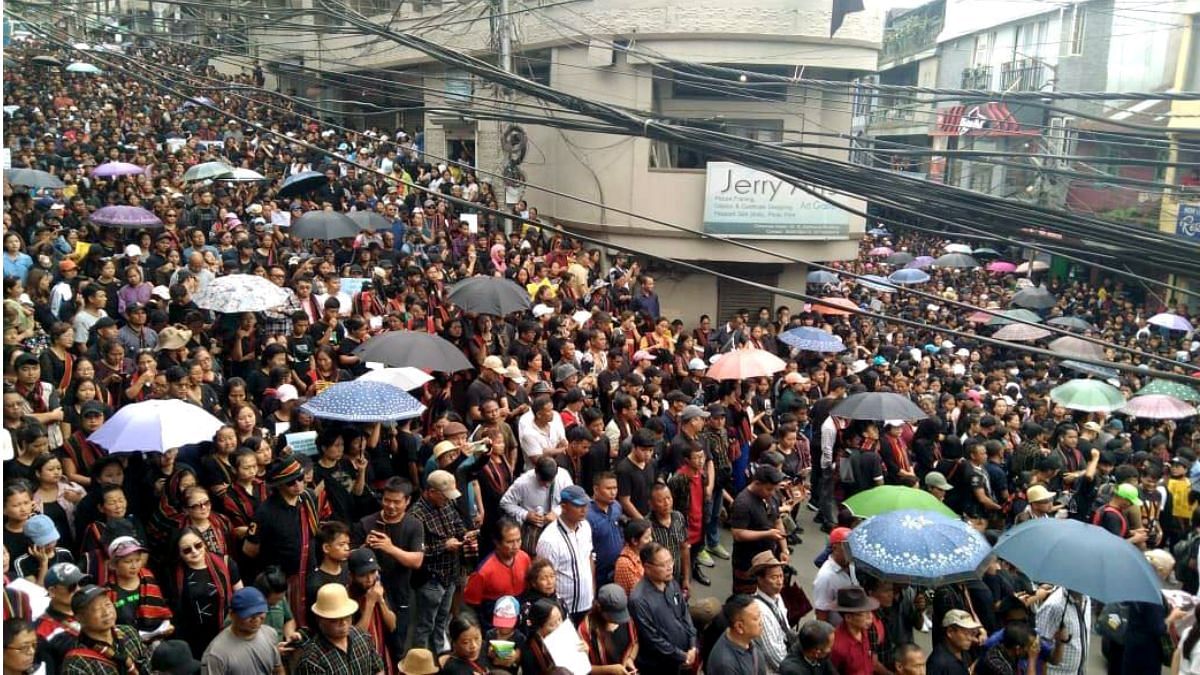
{"x":194,"y":548}
{"x":198,"y":505}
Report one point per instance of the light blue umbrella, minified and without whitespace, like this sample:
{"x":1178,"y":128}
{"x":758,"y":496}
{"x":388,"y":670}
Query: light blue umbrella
{"x":908,"y":276}
{"x":813,"y":340}
{"x":921,"y":262}
{"x":821,"y":277}
{"x":363,"y":401}
{"x":879,"y":232}
{"x":876,"y":283}
{"x":1082,"y":558}
{"x":84,"y":68}
{"x":918,"y":547}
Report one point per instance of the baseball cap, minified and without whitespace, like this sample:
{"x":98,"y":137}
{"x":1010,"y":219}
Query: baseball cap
{"x":286,"y":392}
{"x":132,"y":251}
{"x":505,"y":612}
{"x":768,"y":474}
{"x":1129,"y":493}
{"x":85,"y":596}
{"x":495,"y":364}
{"x":691,"y":412}
{"x":91,"y":408}
{"x":614,"y":603}
{"x":25,"y":359}
{"x":64,"y":574}
{"x":123,"y":546}
{"x":839,"y":535}
{"x":361,"y":561}
{"x":961,"y":619}
{"x":249,"y":602}
{"x":1092,"y":426}
{"x":41,"y":530}
{"x":642,"y":355}
{"x":542,"y":310}
{"x":697,"y":364}
{"x":443,"y":482}
{"x":935,"y":479}
{"x":574,"y":495}
{"x":67,"y":265}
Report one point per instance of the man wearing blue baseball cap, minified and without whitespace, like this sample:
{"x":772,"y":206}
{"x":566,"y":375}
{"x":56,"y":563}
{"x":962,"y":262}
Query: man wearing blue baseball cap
{"x":567,"y":543}
{"x":246,"y":646}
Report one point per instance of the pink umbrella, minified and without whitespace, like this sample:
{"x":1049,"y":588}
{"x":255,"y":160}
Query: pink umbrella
{"x":841,"y":307}
{"x":741,"y":364}
{"x":881,"y":251}
{"x":980,"y":317}
{"x":1001,"y":267}
{"x":1158,"y":407}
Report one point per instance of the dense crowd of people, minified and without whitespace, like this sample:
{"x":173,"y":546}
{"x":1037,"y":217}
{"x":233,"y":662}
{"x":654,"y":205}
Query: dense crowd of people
{"x":573,"y":488}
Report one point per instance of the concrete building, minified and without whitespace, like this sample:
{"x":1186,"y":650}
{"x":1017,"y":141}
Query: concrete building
{"x":614,"y":51}
{"x":1180,"y":213}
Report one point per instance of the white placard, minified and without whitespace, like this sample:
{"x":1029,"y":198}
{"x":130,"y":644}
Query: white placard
{"x":567,"y":649}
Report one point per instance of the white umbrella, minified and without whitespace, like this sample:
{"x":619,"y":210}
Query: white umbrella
{"x":407,"y":378}
{"x":1032,"y":266}
{"x":85,"y":68}
{"x":241,"y":175}
{"x":958,"y":248}
{"x":156,"y":426}
{"x":240,"y":293}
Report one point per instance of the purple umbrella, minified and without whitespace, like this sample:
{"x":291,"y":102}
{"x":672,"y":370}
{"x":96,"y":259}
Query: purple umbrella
{"x":1001,"y":267}
{"x":1170,"y":321}
{"x":115,"y":169}
{"x":128,"y":217}
{"x":921,"y":262}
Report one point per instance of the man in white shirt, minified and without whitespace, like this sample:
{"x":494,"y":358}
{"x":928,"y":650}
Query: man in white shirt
{"x":541,"y":430}
{"x":533,"y":496}
{"x":835,"y":574}
{"x":567,"y":544}
{"x":776,"y":633}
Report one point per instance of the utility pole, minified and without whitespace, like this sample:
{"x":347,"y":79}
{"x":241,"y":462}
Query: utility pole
{"x":512,"y":137}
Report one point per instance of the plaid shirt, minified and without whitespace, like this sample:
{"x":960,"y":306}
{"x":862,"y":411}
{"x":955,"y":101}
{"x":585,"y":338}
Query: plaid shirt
{"x":81,"y":660}
{"x":673,"y":537}
{"x":278,"y":321}
{"x":321,"y":657}
{"x":440,"y":525}
{"x":717,"y":444}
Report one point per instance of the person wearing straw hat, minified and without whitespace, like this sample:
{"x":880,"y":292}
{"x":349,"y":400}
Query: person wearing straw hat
{"x":338,"y":646}
{"x":419,"y":661}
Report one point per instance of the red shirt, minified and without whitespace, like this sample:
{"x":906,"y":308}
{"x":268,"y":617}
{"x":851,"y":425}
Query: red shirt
{"x":494,"y":579}
{"x":695,"y":512}
{"x":852,"y":657}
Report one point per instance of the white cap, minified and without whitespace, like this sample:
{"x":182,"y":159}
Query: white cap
{"x":286,"y":392}
{"x":541,"y":310}
{"x":582,"y":316}
{"x":964,"y":353}
{"x":161,"y":292}
{"x":133,"y":251}
{"x":697,"y":364}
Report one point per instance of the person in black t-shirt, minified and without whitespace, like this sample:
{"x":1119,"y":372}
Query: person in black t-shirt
{"x":635,"y":476}
{"x":334,"y":540}
{"x":756,"y":526}
{"x":398,"y":540}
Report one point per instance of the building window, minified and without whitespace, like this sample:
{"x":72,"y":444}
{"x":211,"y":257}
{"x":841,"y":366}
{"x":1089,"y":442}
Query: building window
{"x":982,"y":56}
{"x":981,"y":178}
{"x":1078,"y":24}
{"x":665,"y":155}
{"x":533,"y":65}
{"x":692,"y":82}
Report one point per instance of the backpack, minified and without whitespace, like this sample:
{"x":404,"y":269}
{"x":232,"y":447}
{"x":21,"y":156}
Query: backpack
{"x":1099,"y":514}
{"x":846,"y":471}
{"x":1185,"y":552}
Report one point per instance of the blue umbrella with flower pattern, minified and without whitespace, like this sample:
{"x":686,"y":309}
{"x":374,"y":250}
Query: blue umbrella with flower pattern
{"x":363,"y":401}
{"x":918,"y":547}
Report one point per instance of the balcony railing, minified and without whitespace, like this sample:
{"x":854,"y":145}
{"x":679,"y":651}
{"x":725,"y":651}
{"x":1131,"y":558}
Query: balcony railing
{"x":1022,"y":75}
{"x":978,"y":77}
{"x":887,"y":113}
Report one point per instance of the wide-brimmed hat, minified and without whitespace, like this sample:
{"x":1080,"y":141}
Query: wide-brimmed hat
{"x":419,"y":661}
{"x":855,"y":599}
{"x":333,"y":602}
{"x":763,"y":560}
{"x":1038,"y":493}
{"x":173,"y":337}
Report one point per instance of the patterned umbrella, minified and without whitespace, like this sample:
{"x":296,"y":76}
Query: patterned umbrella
{"x":115,"y":169}
{"x":128,"y":217}
{"x":1021,"y":332}
{"x":876,"y":283}
{"x":324,"y":225}
{"x":888,"y":498}
{"x":842,"y":307}
{"x":742,"y":364}
{"x":406,"y":378}
{"x":921,"y":262}
{"x":877,"y":405}
{"x":489,"y":295}
{"x":1088,"y":396}
{"x":956,"y":261}
{"x":237,"y":293}
{"x":1072,"y":323}
{"x":900,"y":258}
{"x":1171,"y":388}
{"x":879,"y":232}
{"x":363,"y":401}
{"x":1170,"y":321}
{"x":821,"y":277}
{"x":813,"y":340}
{"x":1034,"y":298}
{"x":1011,"y":315}
{"x":1158,"y":407}
{"x":957,"y":248}
{"x":919,"y":547}
{"x":880,"y":251}
{"x":414,"y":348}
{"x":301,"y":183}
{"x":208,"y":171}
{"x":155,"y":426}
{"x":908,"y":276}
{"x":1077,"y":348}
{"x":33,"y":178}
{"x":1001,"y":267}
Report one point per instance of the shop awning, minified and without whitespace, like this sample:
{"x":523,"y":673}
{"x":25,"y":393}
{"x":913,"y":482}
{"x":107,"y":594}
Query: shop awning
{"x":979,"y":119}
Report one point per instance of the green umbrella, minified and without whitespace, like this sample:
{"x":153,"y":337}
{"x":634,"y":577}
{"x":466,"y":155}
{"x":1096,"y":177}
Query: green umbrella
{"x":1172,"y":388}
{"x":888,"y":498}
{"x":208,"y":170}
{"x":1088,"y":396}
{"x":1012,"y":315}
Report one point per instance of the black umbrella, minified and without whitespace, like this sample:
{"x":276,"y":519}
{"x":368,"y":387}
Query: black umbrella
{"x":370,"y":220}
{"x":401,"y":348}
{"x":324,"y":225}
{"x":877,"y":405}
{"x":956,"y":260}
{"x":1072,"y":323}
{"x":899,"y":258}
{"x":301,"y":183}
{"x":489,"y":295}
{"x":985,"y":253}
{"x":33,"y":178}
{"x":45,"y":61}
{"x":1034,"y":298}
